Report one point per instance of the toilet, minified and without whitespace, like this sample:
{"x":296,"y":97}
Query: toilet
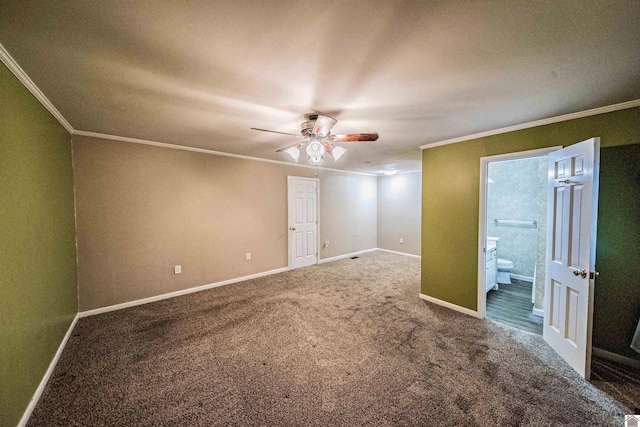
{"x":504,"y":267}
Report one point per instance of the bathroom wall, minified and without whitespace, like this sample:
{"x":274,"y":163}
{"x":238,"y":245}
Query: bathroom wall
{"x":541,"y":244}
{"x":512,"y":193}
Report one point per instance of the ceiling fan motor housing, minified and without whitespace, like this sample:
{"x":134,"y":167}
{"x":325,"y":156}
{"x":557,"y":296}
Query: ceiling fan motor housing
{"x":307,"y":127}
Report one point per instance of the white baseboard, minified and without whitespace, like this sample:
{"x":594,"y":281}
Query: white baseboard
{"x":134,"y":303}
{"x":142,"y":301}
{"x":537,"y":312}
{"x":450,"y":306}
{"x":178,"y":293}
{"x":339,"y":257}
{"x":521,"y":277}
{"x":399,"y":253}
{"x":36,"y":396}
{"x":615,"y":357}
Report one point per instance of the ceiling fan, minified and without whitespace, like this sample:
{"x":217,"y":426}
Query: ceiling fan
{"x":316,"y":136}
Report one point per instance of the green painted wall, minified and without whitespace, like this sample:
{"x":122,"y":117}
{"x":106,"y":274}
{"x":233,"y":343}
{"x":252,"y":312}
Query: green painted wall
{"x":617,"y":294}
{"x":38,"y":296}
{"x":451,"y":187}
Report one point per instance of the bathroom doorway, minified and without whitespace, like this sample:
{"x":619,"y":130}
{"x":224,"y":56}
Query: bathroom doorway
{"x":512,"y":240}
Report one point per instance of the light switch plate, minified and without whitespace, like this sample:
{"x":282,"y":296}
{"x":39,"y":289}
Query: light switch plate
{"x":177,"y":269}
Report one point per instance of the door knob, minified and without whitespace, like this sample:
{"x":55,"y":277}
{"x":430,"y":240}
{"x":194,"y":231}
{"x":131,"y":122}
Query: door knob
{"x":582,"y":273}
{"x":292,"y":228}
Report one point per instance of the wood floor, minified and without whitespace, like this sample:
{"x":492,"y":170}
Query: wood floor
{"x":511,"y":305}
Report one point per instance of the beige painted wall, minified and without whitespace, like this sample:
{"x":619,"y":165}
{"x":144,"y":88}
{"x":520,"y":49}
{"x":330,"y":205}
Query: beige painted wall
{"x":143,"y":209}
{"x":399,"y":199}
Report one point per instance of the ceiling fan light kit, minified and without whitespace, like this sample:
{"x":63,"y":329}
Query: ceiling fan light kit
{"x":337,"y":152}
{"x":318,"y":139}
{"x":293,"y":152}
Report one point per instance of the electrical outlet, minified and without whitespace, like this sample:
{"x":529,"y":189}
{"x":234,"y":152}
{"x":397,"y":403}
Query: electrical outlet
{"x":177,"y":269}
{"x":248,"y":256}
{"x":401,"y":241}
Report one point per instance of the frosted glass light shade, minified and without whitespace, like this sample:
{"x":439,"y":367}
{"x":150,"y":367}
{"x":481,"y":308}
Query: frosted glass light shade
{"x":337,"y":152}
{"x":293,"y":152}
{"x":315,"y":148}
{"x":316,"y":161}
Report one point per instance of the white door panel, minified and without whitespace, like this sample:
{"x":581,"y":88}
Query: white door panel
{"x":303,"y":221}
{"x":572,"y":208}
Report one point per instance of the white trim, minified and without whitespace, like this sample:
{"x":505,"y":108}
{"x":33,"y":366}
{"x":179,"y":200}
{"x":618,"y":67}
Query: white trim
{"x":207,"y":151}
{"x":43,"y":383}
{"x":449,"y":305}
{"x":178,"y":293}
{"x":352,"y":254}
{"x":399,"y":253}
{"x":521,"y":277}
{"x":615,"y":357}
{"x":556,"y":119}
{"x":400,"y":173}
{"x":13,"y":66}
{"x":482,"y":214}
{"x":482,"y":238}
{"x":537,"y":312}
{"x":538,"y":152}
{"x":142,"y":301}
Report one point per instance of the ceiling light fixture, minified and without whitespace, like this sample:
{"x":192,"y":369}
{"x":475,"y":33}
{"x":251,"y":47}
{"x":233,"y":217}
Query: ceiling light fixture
{"x":389,"y":173}
{"x":318,"y":139}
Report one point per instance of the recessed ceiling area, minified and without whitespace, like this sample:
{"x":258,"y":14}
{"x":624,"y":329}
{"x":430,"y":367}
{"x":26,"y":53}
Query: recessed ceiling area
{"x":202,"y":74}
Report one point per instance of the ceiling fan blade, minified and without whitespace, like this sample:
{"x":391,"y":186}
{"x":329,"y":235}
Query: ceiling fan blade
{"x":275,"y":131}
{"x":355,"y":137}
{"x":323,"y":125}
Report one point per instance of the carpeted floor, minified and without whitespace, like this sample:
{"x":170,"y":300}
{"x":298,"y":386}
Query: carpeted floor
{"x":342,"y":343}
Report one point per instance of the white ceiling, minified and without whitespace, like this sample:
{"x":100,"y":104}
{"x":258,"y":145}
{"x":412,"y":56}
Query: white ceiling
{"x":202,"y":73}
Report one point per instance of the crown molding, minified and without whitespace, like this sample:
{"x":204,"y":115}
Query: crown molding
{"x":565,"y":117}
{"x":13,"y":66}
{"x":207,"y":151}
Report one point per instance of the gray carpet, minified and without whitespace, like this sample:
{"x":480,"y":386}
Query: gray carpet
{"x":342,"y":343}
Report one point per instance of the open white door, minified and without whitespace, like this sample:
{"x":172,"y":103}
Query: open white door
{"x":571,"y":243}
{"x":303,"y":221}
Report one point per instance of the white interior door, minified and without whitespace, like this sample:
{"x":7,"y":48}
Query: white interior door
{"x":571,"y":233}
{"x":303,"y":221}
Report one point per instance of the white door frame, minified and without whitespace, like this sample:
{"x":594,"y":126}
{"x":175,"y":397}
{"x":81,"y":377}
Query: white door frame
{"x":482,"y":221}
{"x":289,"y":178}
